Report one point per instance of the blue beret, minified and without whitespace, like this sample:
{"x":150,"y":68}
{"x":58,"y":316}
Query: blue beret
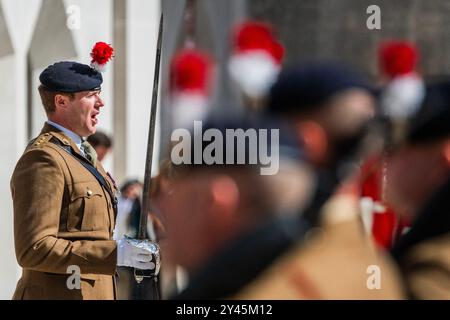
{"x":70,"y":77}
{"x":307,"y":87}
{"x":432,"y":122}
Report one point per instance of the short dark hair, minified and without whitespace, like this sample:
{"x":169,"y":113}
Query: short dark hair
{"x":48,"y":98}
{"x":100,"y":139}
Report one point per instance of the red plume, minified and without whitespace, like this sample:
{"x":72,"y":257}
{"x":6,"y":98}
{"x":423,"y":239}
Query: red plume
{"x":255,"y":35}
{"x":101,"y":54}
{"x":397,"y":58}
{"x":190,"y":71}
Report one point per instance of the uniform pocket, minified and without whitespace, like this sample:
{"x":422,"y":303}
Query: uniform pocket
{"x":87,"y":207}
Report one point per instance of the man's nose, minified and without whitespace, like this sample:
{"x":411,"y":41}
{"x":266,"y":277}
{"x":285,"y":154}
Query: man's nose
{"x":100,"y":102}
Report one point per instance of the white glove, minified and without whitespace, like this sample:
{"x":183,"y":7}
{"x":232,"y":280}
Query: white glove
{"x":135,"y":253}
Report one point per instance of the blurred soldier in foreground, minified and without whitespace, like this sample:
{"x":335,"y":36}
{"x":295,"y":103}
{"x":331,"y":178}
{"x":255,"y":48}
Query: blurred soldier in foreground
{"x":399,"y":100}
{"x":255,"y":248}
{"x":208,"y":212}
{"x":418,"y":185}
{"x":329,"y":108}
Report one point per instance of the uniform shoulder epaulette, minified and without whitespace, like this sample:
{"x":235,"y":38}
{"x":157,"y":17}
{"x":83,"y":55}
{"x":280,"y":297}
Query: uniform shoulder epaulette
{"x":41,"y":140}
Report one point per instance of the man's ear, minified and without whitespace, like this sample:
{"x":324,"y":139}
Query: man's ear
{"x":61,"y":101}
{"x":314,"y":139}
{"x":224,"y":194}
{"x":446,"y":151}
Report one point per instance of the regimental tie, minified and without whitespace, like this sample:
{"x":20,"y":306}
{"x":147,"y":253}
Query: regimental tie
{"x":89,"y":152}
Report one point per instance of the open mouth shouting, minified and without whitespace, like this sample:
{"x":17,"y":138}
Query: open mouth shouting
{"x":94,"y":118}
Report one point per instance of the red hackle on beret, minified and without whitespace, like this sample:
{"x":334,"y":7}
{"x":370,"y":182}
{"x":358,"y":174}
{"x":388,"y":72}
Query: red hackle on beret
{"x":256,"y":35}
{"x":398,"y":58}
{"x":190,"y":70}
{"x":101,"y":54}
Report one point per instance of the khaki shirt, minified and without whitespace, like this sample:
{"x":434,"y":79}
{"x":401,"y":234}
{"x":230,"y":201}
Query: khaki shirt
{"x":62,"y":217}
{"x":336,"y":261}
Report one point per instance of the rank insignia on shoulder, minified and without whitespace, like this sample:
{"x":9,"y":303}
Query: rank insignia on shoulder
{"x":40,"y":141}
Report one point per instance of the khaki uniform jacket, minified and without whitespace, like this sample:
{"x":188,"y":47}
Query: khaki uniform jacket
{"x":62,"y":217}
{"x":423,"y":253}
{"x":336,"y":261}
{"x":426,"y":269}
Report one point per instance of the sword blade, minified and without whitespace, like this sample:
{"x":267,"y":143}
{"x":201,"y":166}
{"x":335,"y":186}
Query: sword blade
{"x":150,"y":145}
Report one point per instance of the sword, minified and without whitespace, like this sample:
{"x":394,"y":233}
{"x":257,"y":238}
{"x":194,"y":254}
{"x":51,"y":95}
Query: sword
{"x":189,"y":23}
{"x":146,"y":204}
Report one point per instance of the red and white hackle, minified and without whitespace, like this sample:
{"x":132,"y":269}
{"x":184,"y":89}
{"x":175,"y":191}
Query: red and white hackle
{"x":101,"y":54}
{"x":190,"y":84}
{"x":256,"y":58}
{"x":405,"y":89}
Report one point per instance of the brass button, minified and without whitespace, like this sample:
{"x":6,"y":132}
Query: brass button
{"x":66,"y":142}
{"x":46,"y":134}
{"x":89,"y":192}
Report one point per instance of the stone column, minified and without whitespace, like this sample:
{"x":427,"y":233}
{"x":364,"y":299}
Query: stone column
{"x":8,"y":267}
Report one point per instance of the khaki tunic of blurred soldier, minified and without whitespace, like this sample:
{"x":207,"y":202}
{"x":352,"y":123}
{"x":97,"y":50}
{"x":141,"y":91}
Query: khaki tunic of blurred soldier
{"x":336,"y":261}
{"x":62,"y":217}
{"x":426,"y":269}
{"x":418,"y":187}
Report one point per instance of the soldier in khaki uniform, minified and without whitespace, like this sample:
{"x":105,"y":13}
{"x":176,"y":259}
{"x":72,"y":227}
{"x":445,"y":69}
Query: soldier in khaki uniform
{"x":64,"y":201}
{"x":418,"y":186}
{"x":328,"y":106}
